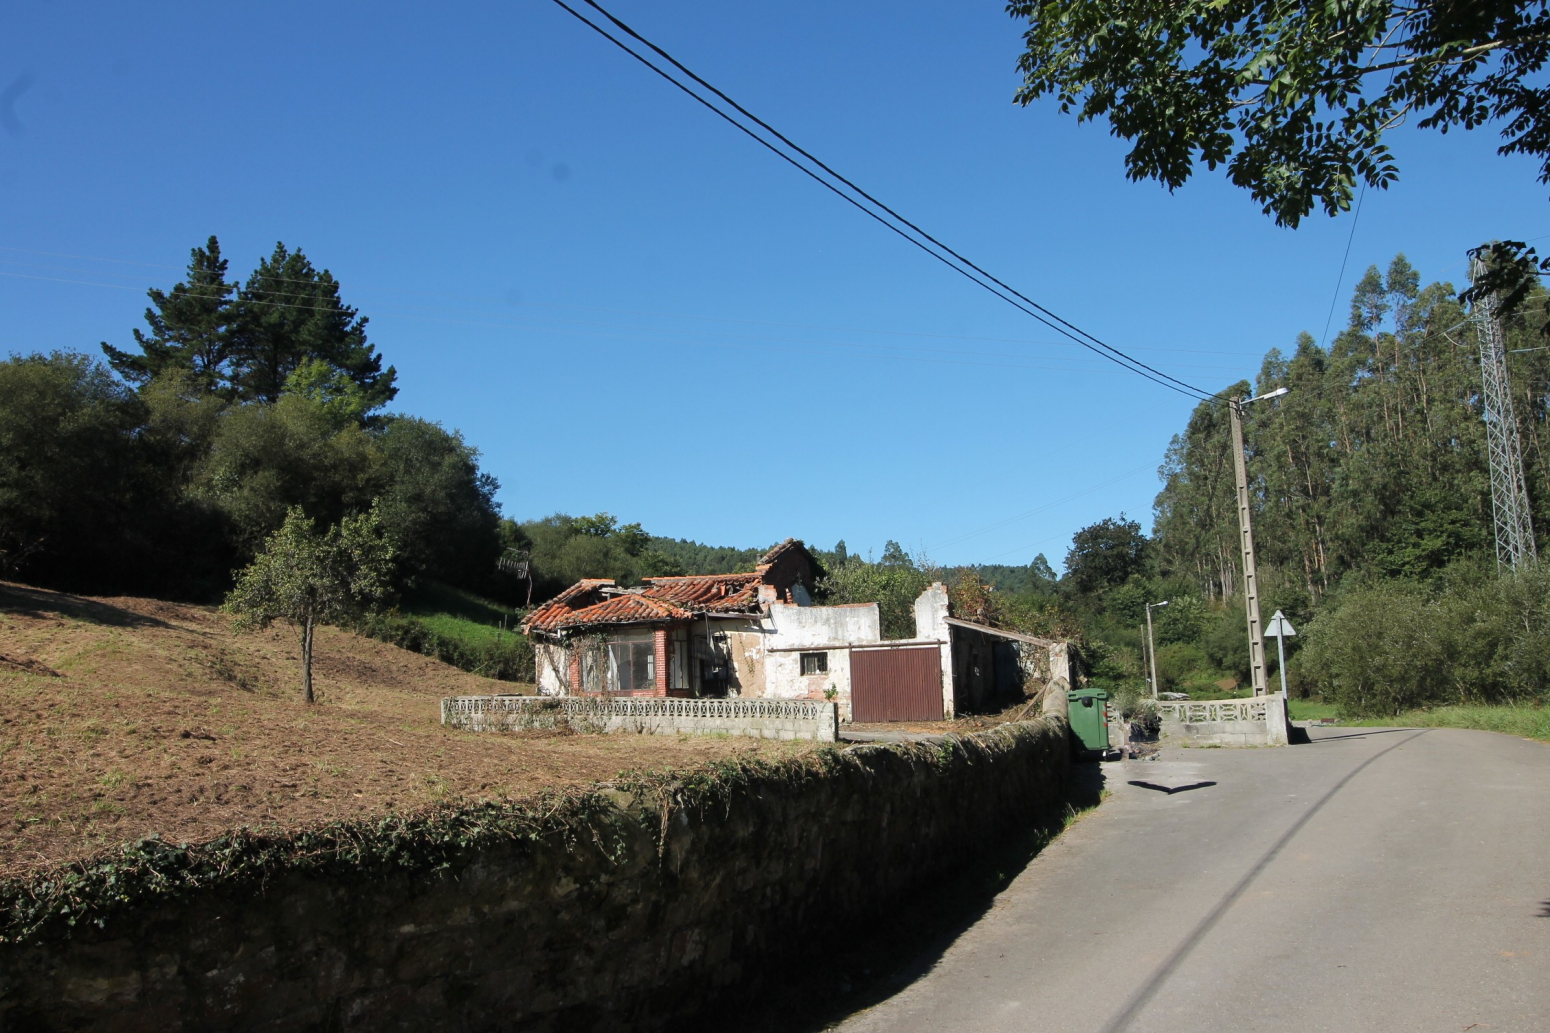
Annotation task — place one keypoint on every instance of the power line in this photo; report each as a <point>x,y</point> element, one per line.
<point>816,161</point>
<point>972,272</point>
<point>1344,258</point>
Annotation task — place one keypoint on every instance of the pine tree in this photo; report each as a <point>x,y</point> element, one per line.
<point>190,328</point>
<point>289,312</point>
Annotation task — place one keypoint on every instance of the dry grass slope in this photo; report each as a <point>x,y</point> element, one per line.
<point>124,717</point>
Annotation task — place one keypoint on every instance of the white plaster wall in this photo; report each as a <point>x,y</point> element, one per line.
<point>823,625</point>
<point>931,614</point>
<point>793,627</point>
<point>552,662</point>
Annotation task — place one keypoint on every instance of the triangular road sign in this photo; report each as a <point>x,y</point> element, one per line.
<point>1280,627</point>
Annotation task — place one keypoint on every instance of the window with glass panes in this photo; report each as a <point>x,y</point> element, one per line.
<point>632,663</point>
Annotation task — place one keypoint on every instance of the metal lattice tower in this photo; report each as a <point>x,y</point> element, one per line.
<point>1509,494</point>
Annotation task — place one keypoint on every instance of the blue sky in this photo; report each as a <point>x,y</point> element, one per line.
<point>629,307</point>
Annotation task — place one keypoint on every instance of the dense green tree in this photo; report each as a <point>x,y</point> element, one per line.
<point>1374,461</point>
<point>306,577</point>
<point>435,504</point>
<point>1106,555</point>
<point>895,556</point>
<point>266,459</point>
<point>598,525</point>
<point>1293,99</point>
<point>695,558</point>
<point>1182,620</point>
<point>71,472</point>
<point>564,549</point>
<point>345,401</point>
<point>1193,516</point>
<point>893,586</point>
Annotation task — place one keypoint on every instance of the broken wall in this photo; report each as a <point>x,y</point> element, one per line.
<point>794,630</point>
<point>931,613</point>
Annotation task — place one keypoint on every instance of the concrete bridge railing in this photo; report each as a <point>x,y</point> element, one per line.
<point>1254,721</point>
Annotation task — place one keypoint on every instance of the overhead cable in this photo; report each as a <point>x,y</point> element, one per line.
<point>964,268</point>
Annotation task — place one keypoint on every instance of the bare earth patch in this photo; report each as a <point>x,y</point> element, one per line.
<point>123,717</point>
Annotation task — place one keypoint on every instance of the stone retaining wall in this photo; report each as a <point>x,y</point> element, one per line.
<point>632,916</point>
<point>760,718</point>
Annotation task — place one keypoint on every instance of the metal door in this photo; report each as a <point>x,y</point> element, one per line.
<point>896,684</point>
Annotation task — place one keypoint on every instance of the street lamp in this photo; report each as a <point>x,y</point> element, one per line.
<point>1250,573</point>
<point>1151,644</point>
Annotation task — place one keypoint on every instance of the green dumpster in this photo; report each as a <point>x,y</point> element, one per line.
<point>1089,722</point>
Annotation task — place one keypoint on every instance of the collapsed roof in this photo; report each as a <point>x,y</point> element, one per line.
<point>596,602</point>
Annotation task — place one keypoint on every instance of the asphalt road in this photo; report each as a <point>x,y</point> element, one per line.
<point>1375,879</point>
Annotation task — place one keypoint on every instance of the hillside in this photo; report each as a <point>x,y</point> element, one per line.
<point>123,717</point>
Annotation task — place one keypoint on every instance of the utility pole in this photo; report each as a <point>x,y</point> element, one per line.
<point>1250,573</point>
<point>1151,643</point>
<point>1509,495</point>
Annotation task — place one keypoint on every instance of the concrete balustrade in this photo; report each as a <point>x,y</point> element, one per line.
<point>760,718</point>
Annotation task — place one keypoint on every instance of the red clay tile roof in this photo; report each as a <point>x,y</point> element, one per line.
<point>581,595</point>
<point>621,609</point>
<point>769,558</point>
<point>716,593</point>
<point>585,586</point>
<point>663,598</point>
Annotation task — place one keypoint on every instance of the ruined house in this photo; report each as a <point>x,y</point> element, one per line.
<point>759,635</point>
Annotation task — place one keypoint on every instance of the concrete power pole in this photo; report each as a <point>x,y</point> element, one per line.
<point>1250,573</point>
<point>1509,495</point>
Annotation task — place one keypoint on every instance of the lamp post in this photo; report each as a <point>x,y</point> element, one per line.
<point>1250,572</point>
<point>1151,643</point>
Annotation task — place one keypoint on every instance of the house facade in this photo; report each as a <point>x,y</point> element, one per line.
<point>759,635</point>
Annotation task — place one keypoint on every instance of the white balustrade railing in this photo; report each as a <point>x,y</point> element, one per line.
<point>653,706</point>
<point>1204,711</point>
<point>783,718</point>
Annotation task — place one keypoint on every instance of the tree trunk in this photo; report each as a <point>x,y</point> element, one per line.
<point>306,660</point>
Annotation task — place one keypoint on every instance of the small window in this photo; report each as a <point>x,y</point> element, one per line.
<point>815,663</point>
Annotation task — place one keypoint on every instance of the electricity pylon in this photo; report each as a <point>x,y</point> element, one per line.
<point>1509,494</point>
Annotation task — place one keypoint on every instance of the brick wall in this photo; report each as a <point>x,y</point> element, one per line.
<point>659,639</point>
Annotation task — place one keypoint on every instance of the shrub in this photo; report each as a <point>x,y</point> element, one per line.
<point>509,658</point>
<point>1392,646</point>
<point>1182,662</point>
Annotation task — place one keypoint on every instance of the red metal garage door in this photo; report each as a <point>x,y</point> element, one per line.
<point>896,684</point>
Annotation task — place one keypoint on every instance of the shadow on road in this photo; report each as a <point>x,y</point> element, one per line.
<point>877,960</point>
<point>1170,790</point>
<point>1139,1000</point>
<point>1544,909</point>
<point>1362,735</point>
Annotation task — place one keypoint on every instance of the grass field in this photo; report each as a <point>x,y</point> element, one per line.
<point>461,615</point>
<point>1528,722</point>
<point>1310,709</point>
<point>124,717</point>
